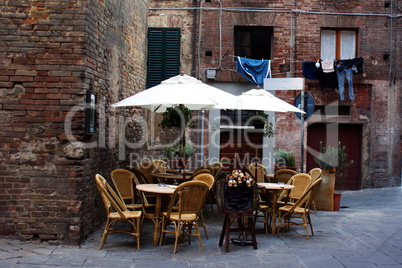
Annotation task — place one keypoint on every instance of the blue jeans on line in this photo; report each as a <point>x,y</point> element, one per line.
<point>341,73</point>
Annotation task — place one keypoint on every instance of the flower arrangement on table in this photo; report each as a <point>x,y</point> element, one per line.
<point>237,177</point>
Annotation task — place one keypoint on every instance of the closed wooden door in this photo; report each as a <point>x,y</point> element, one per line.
<point>240,146</point>
<point>349,135</point>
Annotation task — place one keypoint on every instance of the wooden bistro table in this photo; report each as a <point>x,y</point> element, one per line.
<point>158,191</point>
<point>275,188</point>
<point>170,177</point>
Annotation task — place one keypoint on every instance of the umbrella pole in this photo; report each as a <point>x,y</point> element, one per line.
<point>183,153</point>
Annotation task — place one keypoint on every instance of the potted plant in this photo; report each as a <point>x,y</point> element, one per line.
<point>173,116</point>
<point>333,162</point>
<point>173,154</point>
<point>284,160</point>
<point>260,120</point>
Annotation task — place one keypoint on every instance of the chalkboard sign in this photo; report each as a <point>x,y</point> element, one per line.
<point>237,199</point>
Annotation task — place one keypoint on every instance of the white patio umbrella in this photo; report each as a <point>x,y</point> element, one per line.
<point>178,90</point>
<point>259,100</point>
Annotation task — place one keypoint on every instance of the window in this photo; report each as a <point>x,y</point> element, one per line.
<point>254,42</point>
<point>338,44</point>
<point>163,54</point>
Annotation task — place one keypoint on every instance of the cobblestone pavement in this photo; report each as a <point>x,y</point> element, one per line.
<point>366,232</point>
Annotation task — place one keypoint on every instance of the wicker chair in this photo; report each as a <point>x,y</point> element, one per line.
<point>147,199</point>
<point>210,180</point>
<point>315,174</point>
<point>190,197</point>
<point>147,168</point>
<point>217,169</point>
<point>124,183</point>
<point>116,211</point>
<point>301,181</point>
<point>283,175</point>
<point>209,167</point>
<point>160,166</point>
<point>299,210</point>
<point>258,172</point>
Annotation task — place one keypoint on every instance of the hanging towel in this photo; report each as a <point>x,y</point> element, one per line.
<point>310,70</point>
<point>254,70</point>
<point>328,66</point>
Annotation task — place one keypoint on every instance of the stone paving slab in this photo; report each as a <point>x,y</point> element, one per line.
<point>366,232</point>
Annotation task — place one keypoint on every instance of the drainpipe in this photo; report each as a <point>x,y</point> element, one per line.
<point>194,40</point>
<point>220,40</point>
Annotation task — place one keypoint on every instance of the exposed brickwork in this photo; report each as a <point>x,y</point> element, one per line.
<point>378,89</point>
<point>51,53</point>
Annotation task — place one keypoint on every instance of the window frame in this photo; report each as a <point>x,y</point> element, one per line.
<point>163,54</point>
<point>254,47</point>
<point>338,42</point>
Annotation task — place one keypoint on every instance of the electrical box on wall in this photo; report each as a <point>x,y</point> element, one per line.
<point>211,74</point>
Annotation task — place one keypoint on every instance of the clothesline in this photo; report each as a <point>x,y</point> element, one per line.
<point>287,60</point>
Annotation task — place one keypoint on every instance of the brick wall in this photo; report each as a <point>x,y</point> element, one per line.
<point>378,89</point>
<point>51,53</point>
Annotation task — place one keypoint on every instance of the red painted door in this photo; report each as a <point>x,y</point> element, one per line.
<point>349,135</point>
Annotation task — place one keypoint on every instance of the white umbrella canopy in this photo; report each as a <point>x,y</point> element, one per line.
<point>178,90</point>
<point>258,99</point>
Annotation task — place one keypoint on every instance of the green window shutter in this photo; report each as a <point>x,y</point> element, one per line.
<point>163,54</point>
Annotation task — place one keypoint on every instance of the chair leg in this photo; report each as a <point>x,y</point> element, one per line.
<point>222,232</point>
<point>105,233</point>
<point>178,227</point>
<point>227,234</point>
<point>203,225</point>
<point>309,222</point>
<point>138,231</point>
<point>199,237</point>
<point>252,230</point>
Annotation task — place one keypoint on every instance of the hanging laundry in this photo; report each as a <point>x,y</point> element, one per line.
<point>327,78</point>
<point>328,66</point>
<point>310,70</point>
<point>348,68</point>
<point>254,70</point>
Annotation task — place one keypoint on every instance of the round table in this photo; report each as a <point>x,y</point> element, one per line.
<point>170,178</point>
<point>275,188</point>
<point>158,191</point>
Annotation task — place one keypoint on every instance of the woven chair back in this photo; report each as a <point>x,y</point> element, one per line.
<point>314,189</point>
<point>217,169</point>
<point>301,183</point>
<point>159,166</point>
<point>198,172</point>
<point>307,198</point>
<point>189,197</point>
<point>140,177</point>
<point>123,181</point>
<point>147,168</point>
<point>283,175</point>
<point>207,178</point>
<point>315,173</point>
<point>111,200</point>
<point>258,171</point>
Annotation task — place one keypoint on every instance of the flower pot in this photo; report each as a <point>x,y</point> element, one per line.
<point>324,199</point>
<point>337,201</point>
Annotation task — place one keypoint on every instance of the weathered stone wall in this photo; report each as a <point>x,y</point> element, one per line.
<point>51,53</point>
<point>297,27</point>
